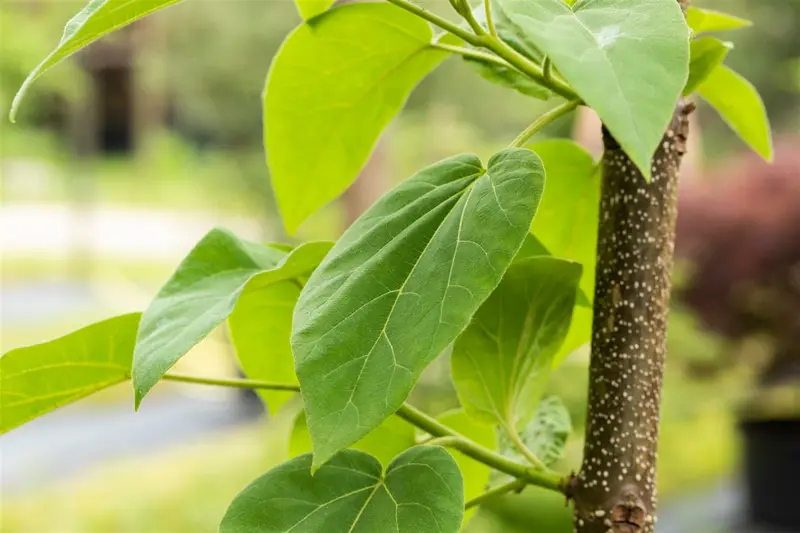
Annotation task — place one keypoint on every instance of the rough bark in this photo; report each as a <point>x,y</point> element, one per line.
<point>615,490</point>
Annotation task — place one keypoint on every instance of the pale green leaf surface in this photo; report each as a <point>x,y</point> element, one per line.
<point>502,361</point>
<point>98,18</point>
<point>703,20</point>
<point>260,327</point>
<point>311,8</point>
<point>402,283</point>
<point>37,379</point>
<point>545,435</point>
<point>329,96</point>
<point>627,59</point>
<point>420,492</point>
<point>202,293</point>
<point>474,473</point>
<point>740,106</point>
<point>385,442</point>
<point>707,53</point>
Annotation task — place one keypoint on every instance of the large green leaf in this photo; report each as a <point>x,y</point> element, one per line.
<point>702,20</point>
<point>419,492</point>
<point>385,442</point>
<point>545,435</point>
<point>334,85</point>
<point>474,473</point>
<point>203,292</point>
<point>260,327</point>
<point>502,361</point>
<point>566,224</point>
<point>98,18</point>
<point>740,106</point>
<point>707,54</point>
<point>402,283</point>
<point>627,59</point>
<point>311,8</point>
<point>37,379</point>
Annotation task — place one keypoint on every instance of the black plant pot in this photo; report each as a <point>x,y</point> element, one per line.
<point>772,472</point>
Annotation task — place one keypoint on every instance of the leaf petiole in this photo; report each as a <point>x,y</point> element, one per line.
<point>544,120</point>
<point>512,486</point>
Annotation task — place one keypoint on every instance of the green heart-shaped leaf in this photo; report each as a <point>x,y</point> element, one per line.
<point>703,20</point>
<point>707,54</point>
<point>37,379</point>
<point>98,18</point>
<point>401,284</point>
<point>420,492</point>
<point>333,87</point>
<point>627,59</point>
<point>202,293</point>
<point>740,106</point>
<point>502,361</point>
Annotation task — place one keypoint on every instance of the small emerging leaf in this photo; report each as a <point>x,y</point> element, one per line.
<point>545,435</point>
<point>37,379</point>
<point>420,492</point>
<point>335,84</point>
<point>401,284</point>
<point>707,54</point>
<point>203,292</point>
<point>98,18</point>
<point>502,361</point>
<point>598,47</point>
<point>703,20</point>
<point>740,105</point>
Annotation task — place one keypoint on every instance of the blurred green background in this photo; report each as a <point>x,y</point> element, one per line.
<point>126,155</point>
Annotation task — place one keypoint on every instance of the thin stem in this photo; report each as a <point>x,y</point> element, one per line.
<point>547,69</point>
<point>466,12</point>
<point>444,442</point>
<point>512,486</point>
<point>468,52</point>
<point>490,42</point>
<point>236,383</point>
<point>487,6</point>
<point>543,121</point>
<point>531,476</point>
<point>526,452</point>
<point>436,20</point>
<point>452,439</point>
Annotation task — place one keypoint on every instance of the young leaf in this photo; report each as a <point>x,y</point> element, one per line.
<point>311,8</point>
<point>385,442</point>
<point>98,18</point>
<point>37,379</point>
<point>203,292</point>
<point>703,20</point>
<point>334,85</point>
<point>707,53</point>
<point>502,361</point>
<point>598,48</point>
<point>420,492</point>
<point>474,473</point>
<point>401,284</point>
<point>507,76</point>
<point>740,106</point>
<point>260,327</point>
<point>545,435</point>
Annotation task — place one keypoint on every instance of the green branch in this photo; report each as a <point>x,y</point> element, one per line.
<point>471,53</point>
<point>487,7</point>
<point>442,434</point>
<point>512,486</point>
<point>491,42</point>
<point>524,450</point>
<point>543,121</point>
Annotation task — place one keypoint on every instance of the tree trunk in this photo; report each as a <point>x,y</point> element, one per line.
<point>615,490</point>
